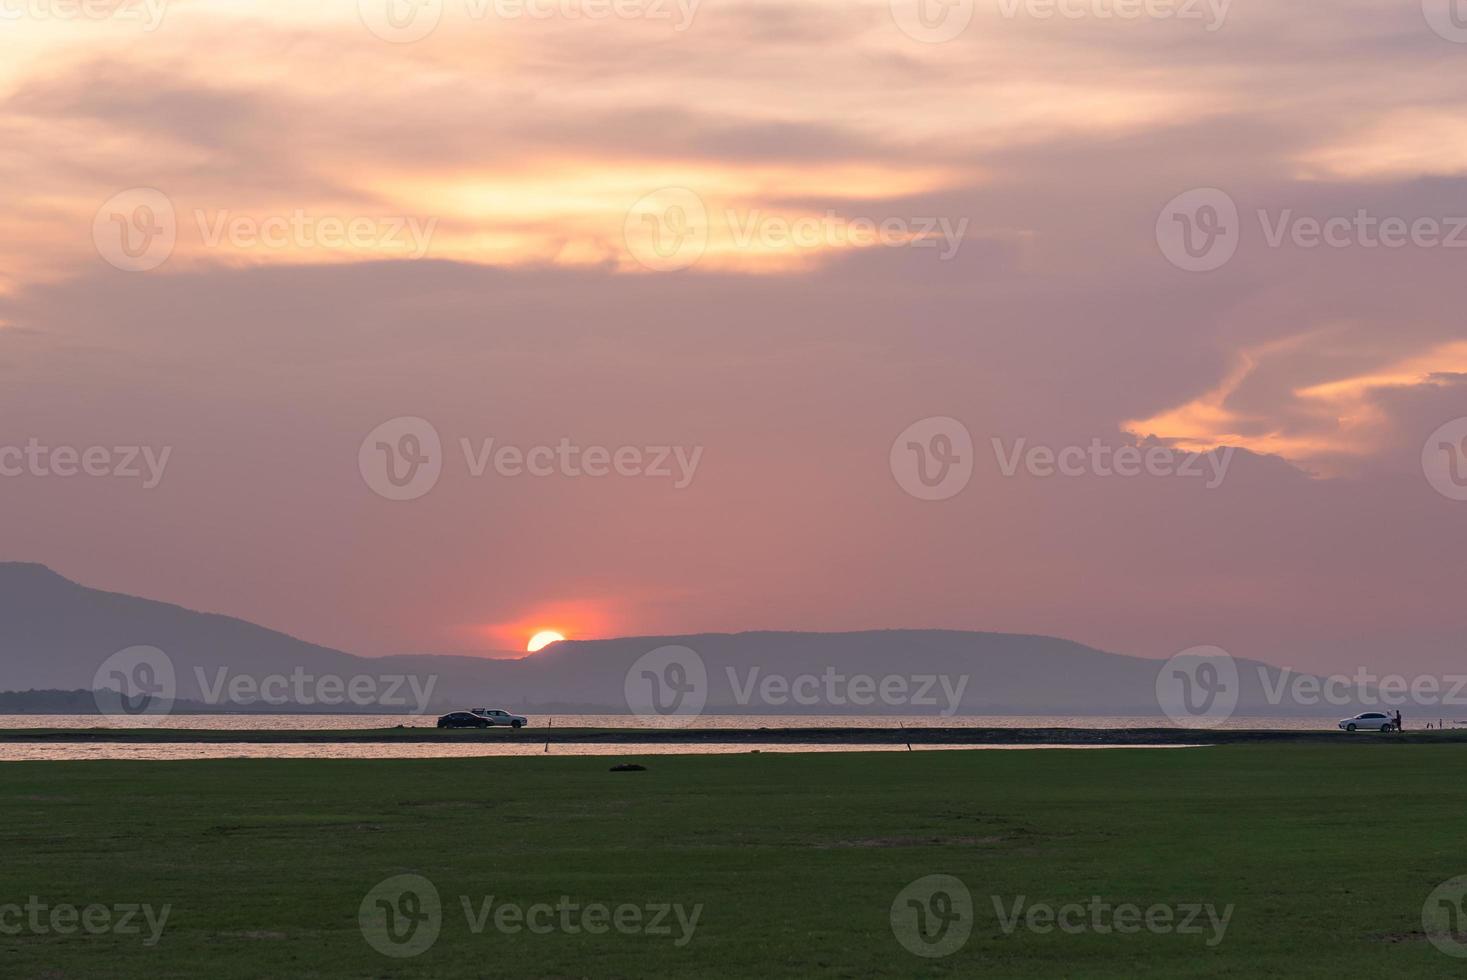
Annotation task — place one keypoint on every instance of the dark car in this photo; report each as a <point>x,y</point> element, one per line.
<point>463,719</point>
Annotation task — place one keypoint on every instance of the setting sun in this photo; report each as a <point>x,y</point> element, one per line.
<point>543,639</point>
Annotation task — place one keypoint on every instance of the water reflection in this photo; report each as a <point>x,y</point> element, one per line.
<point>266,722</point>
<point>22,752</point>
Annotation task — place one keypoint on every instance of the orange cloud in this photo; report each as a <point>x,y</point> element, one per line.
<point>1342,417</point>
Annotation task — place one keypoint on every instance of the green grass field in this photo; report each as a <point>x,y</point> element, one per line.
<point>1326,853</point>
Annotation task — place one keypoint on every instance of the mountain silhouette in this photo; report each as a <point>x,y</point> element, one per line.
<point>55,635</point>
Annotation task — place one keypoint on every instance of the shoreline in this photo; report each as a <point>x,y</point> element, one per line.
<point>728,736</point>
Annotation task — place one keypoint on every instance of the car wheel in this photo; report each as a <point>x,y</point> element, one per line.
<point>516,724</point>
<point>1349,728</point>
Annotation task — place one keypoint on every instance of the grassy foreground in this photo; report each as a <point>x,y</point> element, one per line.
<point>1326,853</point>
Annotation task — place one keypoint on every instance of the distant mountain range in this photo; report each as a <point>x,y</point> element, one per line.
<point>55,636</point>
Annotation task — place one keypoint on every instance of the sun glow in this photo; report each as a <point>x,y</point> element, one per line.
<point>543,639</point>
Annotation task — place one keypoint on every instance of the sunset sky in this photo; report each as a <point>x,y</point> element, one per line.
<point>1017,177</point>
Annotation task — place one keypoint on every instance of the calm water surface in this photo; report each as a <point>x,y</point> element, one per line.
<point>20,752</point>
<point>263,722</point>
<point>72,752</point>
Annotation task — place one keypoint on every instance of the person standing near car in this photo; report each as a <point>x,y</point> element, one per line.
<point>1398,719</point>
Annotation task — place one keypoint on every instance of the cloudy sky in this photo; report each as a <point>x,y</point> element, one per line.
<point>821,290</point>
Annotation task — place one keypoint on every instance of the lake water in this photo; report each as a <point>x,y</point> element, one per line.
<point>264,722</point>
<point>74,752</point>
<point>18,752</point>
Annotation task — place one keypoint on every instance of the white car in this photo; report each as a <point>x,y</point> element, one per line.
<point>1375,721</point>
<point>496,716</point>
